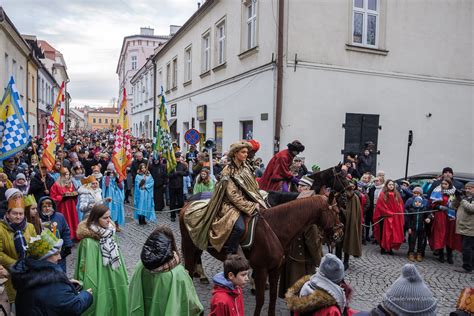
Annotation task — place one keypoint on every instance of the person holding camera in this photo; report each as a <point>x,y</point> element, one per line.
<point>43,288</point>
<point>465,227</point>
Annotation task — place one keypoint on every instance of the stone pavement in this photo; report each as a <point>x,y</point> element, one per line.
<point>369,275</point>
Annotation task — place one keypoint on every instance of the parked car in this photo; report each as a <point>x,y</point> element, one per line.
<point>422,179</point>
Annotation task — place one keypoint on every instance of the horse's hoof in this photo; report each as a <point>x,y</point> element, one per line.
<point>204,281</point>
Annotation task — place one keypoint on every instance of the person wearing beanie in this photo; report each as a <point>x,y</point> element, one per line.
<point>416,217</point>
<point>160,285</point>
<point>324,293</point>
<point>43,288</point>
<point>278,169</point>
<point>21,183</point>
<point>465,228</point>
<point>408,295</point>
<point>446,173</point>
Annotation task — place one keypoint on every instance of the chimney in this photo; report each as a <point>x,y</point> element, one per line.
<point>147,31</point>
<point>174,29</point>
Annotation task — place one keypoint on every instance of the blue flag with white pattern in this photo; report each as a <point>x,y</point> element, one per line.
<point>14,132</point>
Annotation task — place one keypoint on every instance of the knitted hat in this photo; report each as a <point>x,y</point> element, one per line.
<point>10,192</point>
<point>306,181</point>
<point>30,200</point>
<point>20,176</point>
<point>409,295</point>
<point>111,167</point>
<point>418,190</point>
<point>417,199</point>
<point>332,268</point>
<point>44,246</point>
<point>448,169</point>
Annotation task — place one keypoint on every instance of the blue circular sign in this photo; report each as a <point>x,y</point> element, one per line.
<point>192,136</point>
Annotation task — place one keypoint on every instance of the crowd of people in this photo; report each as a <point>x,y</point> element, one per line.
<point>82,201</point>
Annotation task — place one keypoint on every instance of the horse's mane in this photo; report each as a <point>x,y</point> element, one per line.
<point>300,206</point>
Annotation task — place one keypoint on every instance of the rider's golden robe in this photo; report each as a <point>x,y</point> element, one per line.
<point>236,192</point>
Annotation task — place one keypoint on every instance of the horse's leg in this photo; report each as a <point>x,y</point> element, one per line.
<point>188,249</point>
<point>273,279</point>
<point>260,278</point>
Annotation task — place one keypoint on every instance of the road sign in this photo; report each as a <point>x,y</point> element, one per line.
<point>191,136</point>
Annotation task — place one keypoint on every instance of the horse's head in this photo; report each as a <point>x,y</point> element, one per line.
<point>333,228</point>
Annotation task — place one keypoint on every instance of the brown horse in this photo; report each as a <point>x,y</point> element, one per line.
<point>275,230</point>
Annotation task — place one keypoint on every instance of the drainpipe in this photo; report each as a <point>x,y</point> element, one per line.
<point>279,87</point>
<point>154,97</point>
<point>27,94</point>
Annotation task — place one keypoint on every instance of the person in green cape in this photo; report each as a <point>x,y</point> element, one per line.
<point>100,264</point>
<point>160,285</point>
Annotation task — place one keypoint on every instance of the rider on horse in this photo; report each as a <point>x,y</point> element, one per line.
<point>235,197</point>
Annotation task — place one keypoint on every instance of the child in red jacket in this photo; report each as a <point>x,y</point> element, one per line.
<point>227,297</point>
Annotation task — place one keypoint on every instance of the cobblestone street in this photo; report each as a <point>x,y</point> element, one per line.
<point>369,275</point>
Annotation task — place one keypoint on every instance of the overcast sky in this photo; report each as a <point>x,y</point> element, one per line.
<point>89,33</point>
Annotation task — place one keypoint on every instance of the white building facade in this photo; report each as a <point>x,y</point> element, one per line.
<point>46,87</point>
<point>135,51</point>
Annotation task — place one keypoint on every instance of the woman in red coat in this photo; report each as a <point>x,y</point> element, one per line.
<point>443,229</point>
<point>389,232</point>
<point>65,196</point>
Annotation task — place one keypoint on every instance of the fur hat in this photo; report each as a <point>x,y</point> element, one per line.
<point>409,295</point>
<point>296,145</point>
<point>306,181</point>
<point>44,246</point>
<point>235,147</point>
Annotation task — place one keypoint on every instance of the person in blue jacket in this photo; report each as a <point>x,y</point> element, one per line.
<point>43,288</point>
<point>56,223</point>
<point>143,196</point>
<point>113,191</point>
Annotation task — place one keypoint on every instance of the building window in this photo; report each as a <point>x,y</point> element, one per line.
<point>175,72</point>
<point>146,87</point>
<point>168,76</point>
<point>94,120</point>
<point>247,129</point>
<point>100,121</point>
<point>206,52</point>
<point>251,23</point>
<point>106,121</point>
<point>220,39</point>
<point>187,64</point>
<point>218,135</point>
<point>15,74</point>
<point>134,62</point>
<point>33,84</point>
<point>365,27</point>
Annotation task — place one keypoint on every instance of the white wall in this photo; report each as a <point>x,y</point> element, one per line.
<point>316,100</point>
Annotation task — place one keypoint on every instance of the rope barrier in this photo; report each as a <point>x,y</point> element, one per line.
<point>383,217</point>
<point>131,208</point>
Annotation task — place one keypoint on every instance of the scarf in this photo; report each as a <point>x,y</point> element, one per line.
<point>445,191</point>
<point>18,238</point>
<point>108,246</point>
<point>168,266</point>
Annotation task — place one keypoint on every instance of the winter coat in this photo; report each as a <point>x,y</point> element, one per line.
<point>352,244</point>
<point>135,165</point>
<point>392,237</point>
<point>8,254</point>
<point>364,163</point>
<point>158,172</point>
<point>109,287</point>
<point>226,300</point>
<point>87,199</point>
<point>143,200</point>
<point>176,176</point>
<point>416,222</point>
<point>318,303</point>
<point>465,218</point>
<point>62,228</point>
<point>44,289</point>
<point>37,186</point>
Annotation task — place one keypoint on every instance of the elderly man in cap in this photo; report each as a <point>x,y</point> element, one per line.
<point>278,169</point>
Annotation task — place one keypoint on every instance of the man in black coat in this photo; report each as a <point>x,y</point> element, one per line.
<point>176,185</point>
<point>10,168</point>
<point>41,183</point>
<point>160,178</point>
<point>137,161</point>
